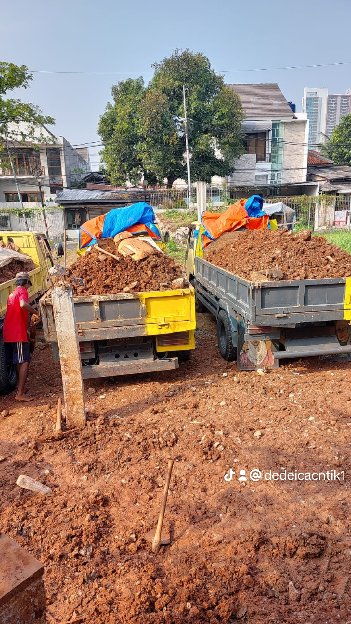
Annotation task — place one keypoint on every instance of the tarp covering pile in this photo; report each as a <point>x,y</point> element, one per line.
<point>247,214</point>
<point>137,218</point>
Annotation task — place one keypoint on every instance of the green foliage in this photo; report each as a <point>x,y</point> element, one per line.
<point>338,147</point>
<point>179,218</point>
<point>176,251</point>
<point>143,130</point>
<point>119,130</point>
<point>341,239</point>
<point>13,110</point>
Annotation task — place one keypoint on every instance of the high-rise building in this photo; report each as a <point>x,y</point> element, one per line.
<point>324,112</point>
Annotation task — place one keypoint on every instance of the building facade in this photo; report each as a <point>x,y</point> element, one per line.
<point>33,172</point>
<point>275,139</point>
<point>324,111</point>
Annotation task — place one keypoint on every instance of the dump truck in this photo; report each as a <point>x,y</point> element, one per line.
<point>37,247</point>
<point>260,324</point>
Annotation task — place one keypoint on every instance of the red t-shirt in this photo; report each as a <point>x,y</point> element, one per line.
<point>16,319</point>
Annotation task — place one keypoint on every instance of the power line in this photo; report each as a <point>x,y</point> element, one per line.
<point>225,71</point>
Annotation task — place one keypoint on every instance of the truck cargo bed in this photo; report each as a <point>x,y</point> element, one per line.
<point>275,303</point>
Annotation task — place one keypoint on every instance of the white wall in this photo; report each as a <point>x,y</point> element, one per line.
<point>294,167</point>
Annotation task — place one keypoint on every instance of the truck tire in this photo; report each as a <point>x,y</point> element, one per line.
<point>224,334</point>
<point>8,374</point>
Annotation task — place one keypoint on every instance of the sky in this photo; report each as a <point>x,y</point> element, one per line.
<point>111,40</point>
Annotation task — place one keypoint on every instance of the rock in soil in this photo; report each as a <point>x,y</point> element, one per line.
<point>254,255</point>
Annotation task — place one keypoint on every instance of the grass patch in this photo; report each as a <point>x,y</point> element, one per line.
<point>176,251</point>
<point>180,217</point>
<point>341,239</point>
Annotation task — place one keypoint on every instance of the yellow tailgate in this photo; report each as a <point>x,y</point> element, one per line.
<point>169,311</point>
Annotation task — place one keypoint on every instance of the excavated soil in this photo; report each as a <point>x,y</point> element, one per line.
<point>96,274</point>
<point>9,271</point>
<point>263,552</point>
<point>278,255</point>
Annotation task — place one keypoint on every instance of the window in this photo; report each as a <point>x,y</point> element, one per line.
<point>25,197</point>
<point>261,179</point>
<point>256,144</point>
<point>53,155</point>
<point>4,222</point>
<point>75,218</point>
<point>26,162</point>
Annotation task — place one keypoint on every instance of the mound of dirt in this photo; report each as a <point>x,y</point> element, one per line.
<point>96,274</point>
<point>9,271</point>
<point>278,255</point>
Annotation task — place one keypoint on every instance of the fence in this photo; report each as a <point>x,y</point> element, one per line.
<point>317,212</point>
<point>46,220</point>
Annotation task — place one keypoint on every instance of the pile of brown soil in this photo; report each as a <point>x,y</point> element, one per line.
<point>9,271</point>
<point>278,255</point>
<point>95,274</point>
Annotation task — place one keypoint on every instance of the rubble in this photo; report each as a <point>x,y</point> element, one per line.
<point>265,256</point>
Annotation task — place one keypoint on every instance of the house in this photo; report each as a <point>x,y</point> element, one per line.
<point>37,169</point>
<point>275,139</point>
<point>80,205</point>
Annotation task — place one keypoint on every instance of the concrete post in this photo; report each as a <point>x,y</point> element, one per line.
<point>68,346</point>
<point>22,592</point>
<point>200,198</point>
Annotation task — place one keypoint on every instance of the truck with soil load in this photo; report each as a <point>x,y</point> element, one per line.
<point>133,308</point>
<point>274,294</point>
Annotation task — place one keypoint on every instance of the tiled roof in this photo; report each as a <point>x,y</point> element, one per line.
<point>262,101</point>
<point>316,159</point>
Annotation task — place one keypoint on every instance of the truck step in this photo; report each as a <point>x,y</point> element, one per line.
<point>129,368</point>
<point>306,347</point>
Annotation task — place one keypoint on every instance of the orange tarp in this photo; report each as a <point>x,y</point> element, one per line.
<point>232,219</point>
<point>94,227</point>
<point>258,223</point>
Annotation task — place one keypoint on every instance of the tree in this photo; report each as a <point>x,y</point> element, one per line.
<point>157,129</point>
<point>13,110</point>
<point>119,130</point>
<point>338,147</point>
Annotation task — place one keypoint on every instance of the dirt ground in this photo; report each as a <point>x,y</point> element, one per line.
<point>263,552</point>
<point>280,255</point>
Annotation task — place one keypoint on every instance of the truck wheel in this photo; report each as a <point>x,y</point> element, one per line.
<point>8,374</point>
<point>224,335</point>
<point>183,356</point>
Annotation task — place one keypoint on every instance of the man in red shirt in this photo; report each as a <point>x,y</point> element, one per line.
<point>15,331</point>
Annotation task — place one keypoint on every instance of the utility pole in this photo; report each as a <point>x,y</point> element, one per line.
<point>187,146</point>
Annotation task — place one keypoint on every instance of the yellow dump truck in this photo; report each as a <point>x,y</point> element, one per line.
<point>128,333</point>
<point>37,247</point>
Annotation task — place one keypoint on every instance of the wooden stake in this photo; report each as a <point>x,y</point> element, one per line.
<point>107,253</point>
<point>69,353</point>
<point>157,541</point>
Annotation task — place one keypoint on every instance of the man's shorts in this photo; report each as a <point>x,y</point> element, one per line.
<point>17,352</point>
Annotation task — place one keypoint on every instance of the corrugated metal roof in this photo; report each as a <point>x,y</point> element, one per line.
<point>87,196</point>
<point>331,173</point>
<point>262,101</point>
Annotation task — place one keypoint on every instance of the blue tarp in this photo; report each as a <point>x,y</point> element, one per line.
<point>119,219</point>
<point>254,206</point>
